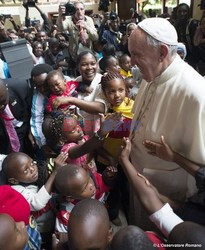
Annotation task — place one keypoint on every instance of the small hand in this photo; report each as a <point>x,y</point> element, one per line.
<point>111,171</point>
<point>110,123</point>
<point>89,90</point>
<point>58,239</point>
<point>32,139</point>
<point>126,149</point>
<point>59,101</point>
<point>59,161</point>
<point>161,150</point>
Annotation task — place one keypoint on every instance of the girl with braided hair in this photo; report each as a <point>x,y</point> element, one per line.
<point>66,131</point>
<point>114,88</point>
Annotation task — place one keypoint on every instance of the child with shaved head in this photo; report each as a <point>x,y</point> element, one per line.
<point>131,238</point>
<point>13,235</point>
<point>31,179</point>
<point>89,217</point>
<point>75,183</point>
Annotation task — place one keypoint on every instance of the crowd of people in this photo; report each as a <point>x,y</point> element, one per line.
<point>110,120</point>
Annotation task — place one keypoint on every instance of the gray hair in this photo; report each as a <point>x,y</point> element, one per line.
<point>77,2</point>
<point>155,43</point>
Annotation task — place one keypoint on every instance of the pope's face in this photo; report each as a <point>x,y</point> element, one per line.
<point>145,56</point>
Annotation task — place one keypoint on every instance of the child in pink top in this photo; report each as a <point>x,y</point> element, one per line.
<point>66,130</point>
<point>59,88</point>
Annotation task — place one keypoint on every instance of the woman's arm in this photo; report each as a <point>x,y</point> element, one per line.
<point>93,107</point>
<point>108,124</point>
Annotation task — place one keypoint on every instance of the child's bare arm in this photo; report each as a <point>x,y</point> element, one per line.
<point>106,155</point>
<point>142,187</point>
<point>162,150</point>
<point>58,163</point>
<point>108,124</point>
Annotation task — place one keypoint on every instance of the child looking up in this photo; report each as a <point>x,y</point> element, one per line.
<point>76,183</point>
<point>59,88</point>
<point>31,180</point>
<point>66,131</point>
<point>125,66</point>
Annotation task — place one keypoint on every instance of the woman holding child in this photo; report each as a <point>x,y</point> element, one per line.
<point>87,91</point>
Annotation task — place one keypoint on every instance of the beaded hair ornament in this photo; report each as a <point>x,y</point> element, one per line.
<point>57,125</point>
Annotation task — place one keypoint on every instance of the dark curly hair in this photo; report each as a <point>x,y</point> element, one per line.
<point>58,124</point>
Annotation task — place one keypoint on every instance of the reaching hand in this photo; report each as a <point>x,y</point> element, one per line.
<point>110,123</point>
<point>126,149</point>
<point>32,139</point>
<point>60,160</point>
<point>57,241</point>
<point>161,150</point>
<point>59,101</point>
<point>61,9</point>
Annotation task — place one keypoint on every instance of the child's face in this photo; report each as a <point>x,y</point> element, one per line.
<point>15,232</point>
<point>130,82</point>
<point>126,63</point>
<point>113,65</point>
<point>83,185</point>
<point>57,85</point>
<point>88,67</point>
<point>26,169</point>
<point>72,131</point>
<point>115,92</point>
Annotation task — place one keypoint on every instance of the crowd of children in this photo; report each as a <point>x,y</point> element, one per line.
<point>75,174</point>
